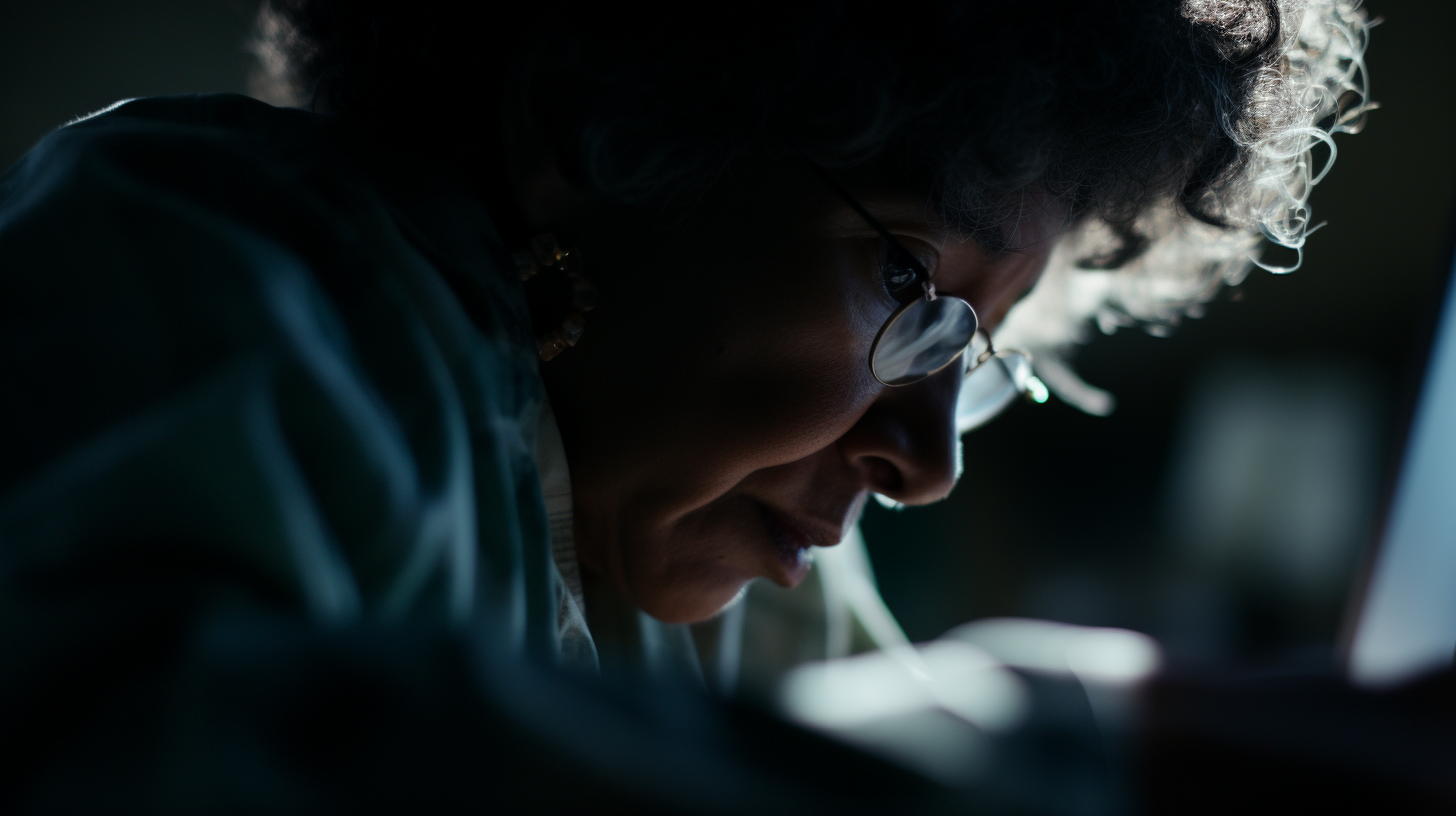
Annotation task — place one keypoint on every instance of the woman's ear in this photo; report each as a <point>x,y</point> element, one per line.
<point>539,165</point>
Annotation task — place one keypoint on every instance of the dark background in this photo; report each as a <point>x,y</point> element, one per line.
<point>1228,504</point>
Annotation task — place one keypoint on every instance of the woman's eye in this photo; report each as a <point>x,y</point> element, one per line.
<point>899,269</point>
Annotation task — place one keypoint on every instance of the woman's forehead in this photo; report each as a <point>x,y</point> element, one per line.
<point>1026,218</point>
<point>1032,229</point>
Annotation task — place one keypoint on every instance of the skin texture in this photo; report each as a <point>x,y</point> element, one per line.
<point>719,412</point>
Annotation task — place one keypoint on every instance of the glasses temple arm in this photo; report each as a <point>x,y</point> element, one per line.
<point>920,271</point>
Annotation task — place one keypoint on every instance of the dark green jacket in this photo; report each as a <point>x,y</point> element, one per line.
<point>224,345</point>
<point>245,412</point>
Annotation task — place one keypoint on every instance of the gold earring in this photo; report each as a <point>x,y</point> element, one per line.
<point>546,254</point>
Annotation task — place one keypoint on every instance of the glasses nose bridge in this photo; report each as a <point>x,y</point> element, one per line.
<point>979,350</point>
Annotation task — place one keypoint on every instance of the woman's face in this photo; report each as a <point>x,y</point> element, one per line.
<point>719,414</point>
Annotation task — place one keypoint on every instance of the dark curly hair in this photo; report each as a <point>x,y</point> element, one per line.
<point>1144,119</point>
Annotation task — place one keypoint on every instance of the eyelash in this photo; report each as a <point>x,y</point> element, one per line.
<point>896,286</point>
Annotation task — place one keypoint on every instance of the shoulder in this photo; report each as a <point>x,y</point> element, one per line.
<point>244,160</point>
<point>147,243</point>
<point>150,246</point>
<point>195,124</point>
<point>215,328</point>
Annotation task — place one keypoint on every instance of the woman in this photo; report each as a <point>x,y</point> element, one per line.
<point>544,327</point>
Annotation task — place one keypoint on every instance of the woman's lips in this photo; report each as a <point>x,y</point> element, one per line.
<point>790,544</point>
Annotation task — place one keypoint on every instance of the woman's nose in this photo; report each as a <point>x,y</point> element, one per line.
<point>905,445</point>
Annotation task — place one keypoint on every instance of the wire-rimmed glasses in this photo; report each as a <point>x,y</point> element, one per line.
<point>1000,376</point>
<point>929,331</point>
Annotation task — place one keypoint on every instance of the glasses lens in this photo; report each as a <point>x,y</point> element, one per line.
<point>922,338</point>
<point>990,387</point>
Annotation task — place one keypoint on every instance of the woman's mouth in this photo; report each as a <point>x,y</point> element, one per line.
<point>790,546</point>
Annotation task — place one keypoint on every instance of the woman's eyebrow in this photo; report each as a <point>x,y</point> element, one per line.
<point>919,218</point>
<point>922,219</point>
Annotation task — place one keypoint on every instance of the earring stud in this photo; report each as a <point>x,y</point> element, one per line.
<point>547,255</point>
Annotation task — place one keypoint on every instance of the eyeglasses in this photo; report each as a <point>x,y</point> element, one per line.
<point>928,332</point>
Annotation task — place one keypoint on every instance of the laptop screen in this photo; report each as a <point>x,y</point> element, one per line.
<point>1407,623</point>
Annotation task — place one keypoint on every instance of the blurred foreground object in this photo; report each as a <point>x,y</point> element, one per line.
<point>1034,714</point>
<point>1044,717</point>
<point>1298,744</point>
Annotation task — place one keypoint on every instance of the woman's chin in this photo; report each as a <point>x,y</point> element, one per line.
<point>692,604</point>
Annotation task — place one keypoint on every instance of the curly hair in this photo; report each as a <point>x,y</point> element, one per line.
<point>1175,134</point>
